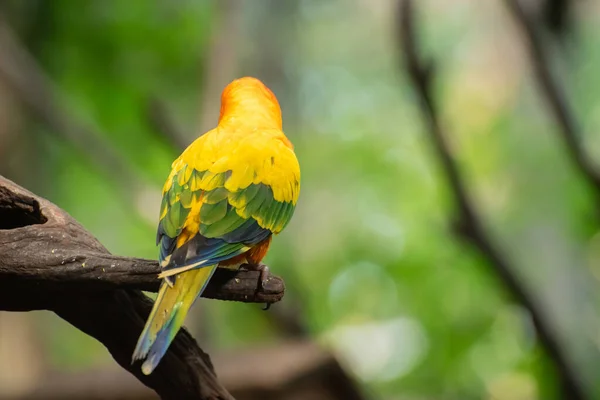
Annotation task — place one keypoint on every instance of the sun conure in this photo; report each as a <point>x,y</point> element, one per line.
<point>227,194</point>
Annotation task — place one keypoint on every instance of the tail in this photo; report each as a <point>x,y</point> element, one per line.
<point>167,316</point>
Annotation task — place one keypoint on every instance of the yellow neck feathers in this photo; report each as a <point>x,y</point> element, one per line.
<point>249,102</point>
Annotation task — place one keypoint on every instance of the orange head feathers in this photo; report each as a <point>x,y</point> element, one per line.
<point>247,100</point>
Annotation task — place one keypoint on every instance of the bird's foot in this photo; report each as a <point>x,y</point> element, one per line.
<point>264,276</point>
<point>262,268</point>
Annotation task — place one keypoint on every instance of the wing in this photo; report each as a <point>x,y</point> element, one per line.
<point>207,217</point>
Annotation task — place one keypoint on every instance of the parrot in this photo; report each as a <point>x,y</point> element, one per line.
<point>228,193</point>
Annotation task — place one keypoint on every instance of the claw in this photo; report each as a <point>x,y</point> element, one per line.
<point>264,275</point>
<point>262,268</point>
<point>267,306</point>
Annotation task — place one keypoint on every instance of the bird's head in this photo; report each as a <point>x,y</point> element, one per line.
<point>247,100</point>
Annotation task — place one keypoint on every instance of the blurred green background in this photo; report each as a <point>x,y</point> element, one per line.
<point>373,270</point>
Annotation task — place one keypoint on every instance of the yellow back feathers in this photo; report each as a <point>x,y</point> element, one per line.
<point>248,143</point>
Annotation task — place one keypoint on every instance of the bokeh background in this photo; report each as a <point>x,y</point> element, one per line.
<point>103,95</point>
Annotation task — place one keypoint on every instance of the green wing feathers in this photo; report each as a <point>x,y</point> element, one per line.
<point>256,201</point>
<point>213,210</point>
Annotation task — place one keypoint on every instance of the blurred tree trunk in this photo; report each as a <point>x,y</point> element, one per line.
<point>222,63</point>
<point>272,40</point>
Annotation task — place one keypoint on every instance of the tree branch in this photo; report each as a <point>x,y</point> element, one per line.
<point>50,262</point>
<point>569,128</point>
<point>468,226</point>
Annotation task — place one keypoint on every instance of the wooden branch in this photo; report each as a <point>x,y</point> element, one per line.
<point>469,226</point>
<point>561,110</point>
<point>53,250</point>
<point>48,261</point>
